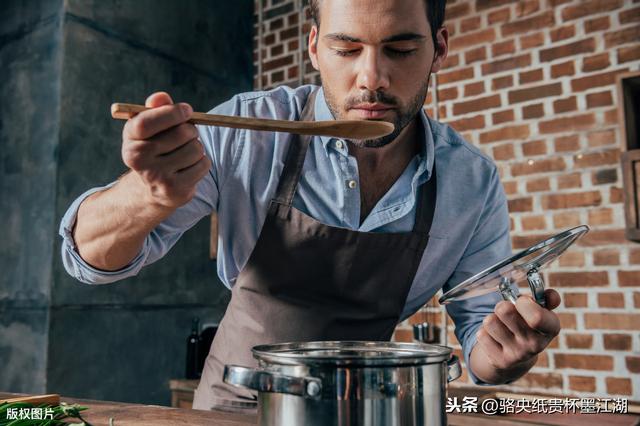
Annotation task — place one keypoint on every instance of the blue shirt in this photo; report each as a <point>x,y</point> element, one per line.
<point>470,229</point>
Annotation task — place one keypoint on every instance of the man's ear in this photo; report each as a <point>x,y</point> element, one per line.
<point>313,46</point>
<point>441,49</point>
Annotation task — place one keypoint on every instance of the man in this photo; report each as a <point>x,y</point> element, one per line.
<point>321,238</point>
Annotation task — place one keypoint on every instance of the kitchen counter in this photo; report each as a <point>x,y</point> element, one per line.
<point>125,414</point>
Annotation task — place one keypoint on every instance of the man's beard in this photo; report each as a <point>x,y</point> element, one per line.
<point>403,115</point>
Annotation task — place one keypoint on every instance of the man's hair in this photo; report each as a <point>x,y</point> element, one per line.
<point>435,14</point>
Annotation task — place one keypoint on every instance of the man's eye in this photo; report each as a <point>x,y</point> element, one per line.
<point>400,53</point>
<point>345,52</point>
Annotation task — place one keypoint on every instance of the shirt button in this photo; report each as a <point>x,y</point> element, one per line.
<point>352,184</point>
<point>339,144</point>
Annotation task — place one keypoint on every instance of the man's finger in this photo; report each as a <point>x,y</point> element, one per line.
<point>537,317</point>
<point>496,329</point>
<point>153,121</point>
<point>509,315</point>
<point>553,298</point>
<point>158,99</point>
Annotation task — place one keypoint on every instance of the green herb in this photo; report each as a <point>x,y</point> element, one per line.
<point>57,416</point>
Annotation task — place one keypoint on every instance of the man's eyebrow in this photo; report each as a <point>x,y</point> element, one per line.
<point>393,38</point>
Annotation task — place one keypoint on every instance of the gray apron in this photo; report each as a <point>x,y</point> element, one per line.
<point>309,281</point>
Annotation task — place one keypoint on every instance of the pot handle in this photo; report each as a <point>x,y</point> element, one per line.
<point>453,368</point>
<point>267,381</point>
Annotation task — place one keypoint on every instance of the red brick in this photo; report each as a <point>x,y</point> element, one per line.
<point>601,138</point>
<point>595,80</point>
<point>629,278</point>
<point>584,361</point>
<point>611,300</point>
<point>562,33</point>
<point>618,386</point>
<point>626,54</point>
<point>596,62</point>
<point>452,61</point>
<point>604,176</point>
<point>505,133</point>
<point>536,92</point>
<point>569,49</point>
<point>579,341</point>
<point>523,241</point>
<point>599,99</point>
<point>601,237</point>
<point>566,143</point>
<point>503,152</point>
<point>628,35</point>
<point>457,75</point>
<point>534,148</point>
<point>469,123</point>
<point>565,105</point>
<point>470,24</point>
<point>454,11</point>
<point>562,69</point>
<point>636,299</point>
<point>602,158</point>
<point>402,335</point>
<point>486,4</point>
<point>566,220</point>
<point>532,40</point>
<point>504,116</point>
<point>617,342</point>
<point>479,104</point>
<point>447,94</point>
<point>565,124</point>
<point>589,7</point>
<point>527,7</point>
<point>475,55</point>
<point>506,64</point>
<point>503,48</point>
<point>537,185</point>
<point>572,259</point>
<point>533,111</point>
<point>540,380</point>
<point>600,217</point>
<point>524,204</point>
<point>510,187</point>
<point>538,166</point>
<point>571,200</point>
<point>582,383</point>
<point>498,16</point>
<point>471,39</point>
<point>596,24</point>
<point>530,223</point>
<point>530,76</point>
<point>277,63</point>
<point>542,20</point>
<point>502,82</point>
<point>633,364</point>
<point>473,89</point>
<point>578,279</point>
<point>609,321</point>
<point>569,181</point>
<point>631,15</point>
<point>574,300</point>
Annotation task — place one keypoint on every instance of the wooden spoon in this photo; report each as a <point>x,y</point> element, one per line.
<point>347,129</point>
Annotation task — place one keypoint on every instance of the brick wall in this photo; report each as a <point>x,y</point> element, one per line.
<point>532,84</point>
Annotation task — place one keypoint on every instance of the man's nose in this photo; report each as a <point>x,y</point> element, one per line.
<point>372,74</point>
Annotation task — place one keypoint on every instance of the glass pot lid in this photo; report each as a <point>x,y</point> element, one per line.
<point>504,276</point>
<point>343,353</point>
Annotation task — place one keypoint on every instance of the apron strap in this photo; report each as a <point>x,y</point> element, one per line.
<point>428,194</point>
<point>295,156</point>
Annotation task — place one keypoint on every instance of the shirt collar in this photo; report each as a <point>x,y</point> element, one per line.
<point>427,149</point>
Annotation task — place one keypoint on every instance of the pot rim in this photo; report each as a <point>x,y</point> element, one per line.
<point>351,353</point>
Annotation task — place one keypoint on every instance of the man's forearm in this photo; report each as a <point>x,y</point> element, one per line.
<point>111,225</point>
<point>484,370</point>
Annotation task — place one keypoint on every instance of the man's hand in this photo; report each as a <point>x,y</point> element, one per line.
<point>510,339</point>
<point>164,151</point>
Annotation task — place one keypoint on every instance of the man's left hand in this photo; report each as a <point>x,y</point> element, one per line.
<point>510,339</point>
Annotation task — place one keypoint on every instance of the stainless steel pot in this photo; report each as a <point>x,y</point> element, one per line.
<point>349,383</point>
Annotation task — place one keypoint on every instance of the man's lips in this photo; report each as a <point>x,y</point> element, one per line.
<point>372,110</point>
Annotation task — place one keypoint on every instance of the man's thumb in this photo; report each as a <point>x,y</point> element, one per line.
<point>158,99</point>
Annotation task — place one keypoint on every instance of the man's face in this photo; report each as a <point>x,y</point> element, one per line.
<point>374,58</point>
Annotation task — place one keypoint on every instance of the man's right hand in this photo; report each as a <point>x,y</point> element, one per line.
<point>163,149</point>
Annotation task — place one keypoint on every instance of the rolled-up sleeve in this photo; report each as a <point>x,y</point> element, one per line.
<point>489,244</point>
